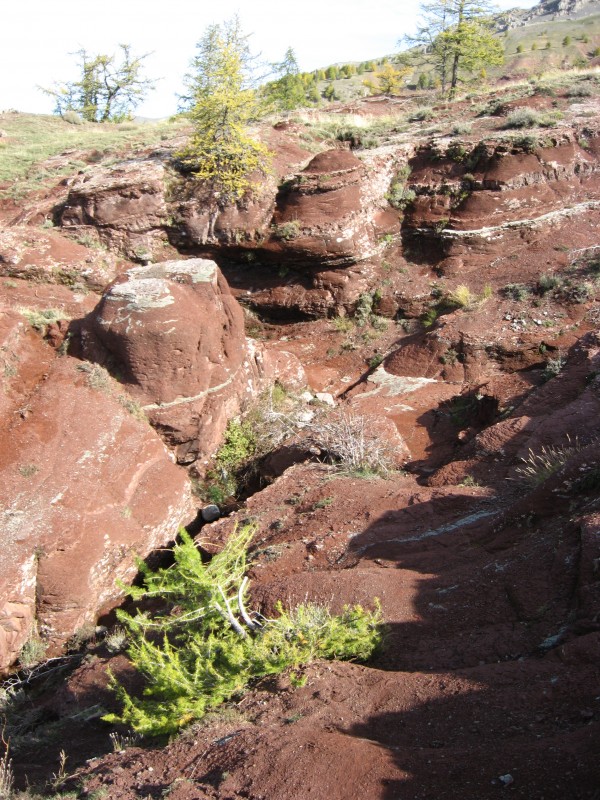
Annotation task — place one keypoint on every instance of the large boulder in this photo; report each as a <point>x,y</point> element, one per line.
<point>86,485</point>
<point>174,334</point>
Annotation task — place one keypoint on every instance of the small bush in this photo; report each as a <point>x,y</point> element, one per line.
<point>547,283</point>
<point>277,416</point>
<point>363,309</point>
<point>116,640</point>
<point>39,320</point>
<point>553,368</point>
<point>540,466</point>
<point>429,317</point>
<point>375,361</point>
<point>32,652</point>
<point>342,324</point>
<point>580,91</point>
<point>72,117</point>
<point>462,297</point>
<point>461,129</point>
<point>286,231</point>
<point>121,742</point>
<point>28,470</point>
<point>399,195</point>
<point>523,118</point>
<point>527,143</point>
<point>441,225</point>
<point>204,646</point>
<point>421,114</point>
<point>457,152</point>
<point>98,377</point>
<point>516,291</point>
<point>239,446</point>
<point>347,440</point>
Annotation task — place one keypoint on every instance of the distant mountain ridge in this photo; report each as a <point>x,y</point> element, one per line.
<point>562,8</point>
<point>546,11</point>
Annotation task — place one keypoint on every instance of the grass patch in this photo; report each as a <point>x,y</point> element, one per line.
<point>530,118</point>
<point>538,467</point>
<point>32,139</point>
<point>39,320</point>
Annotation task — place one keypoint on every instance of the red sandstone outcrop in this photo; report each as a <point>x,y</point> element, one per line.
<point>85,487</point>
<point>174,334</point>
<point>334,210</point>
<point>481,204</point>
<point>47,256</point>
<point>327,217</point>
<point>123,208</point>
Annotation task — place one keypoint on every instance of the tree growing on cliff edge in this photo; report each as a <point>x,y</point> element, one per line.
<point>108,89</point>
<point>221,102</point>
<point>457,35</point>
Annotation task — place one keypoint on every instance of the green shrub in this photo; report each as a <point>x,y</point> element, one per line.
<point>528,143</point>
<point>523,118</point>
<point>421,114</point>
<point>39,320</point>
<point>461,129</point>
<point>516,291</point>
<point>429,317</point>
<point>399,195</point>
<point>286,231</point>
<point>222,481</point>
<point>204,647</point>
<point>457,152</point>
<point>580,91</point>
<point>547,283</point>
<point>553,368</point>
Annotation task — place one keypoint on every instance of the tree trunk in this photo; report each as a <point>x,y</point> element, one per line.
<point>456,58</point>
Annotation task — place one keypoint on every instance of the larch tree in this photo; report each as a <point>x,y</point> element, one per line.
<point>108,88</point>
<point>221,102</point>
<point>458,36</point>
<point>389,79</point>
<point>288,90</point>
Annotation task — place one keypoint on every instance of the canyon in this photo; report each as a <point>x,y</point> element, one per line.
<point>441,282</point>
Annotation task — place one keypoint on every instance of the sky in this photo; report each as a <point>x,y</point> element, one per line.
<point>40,37</point>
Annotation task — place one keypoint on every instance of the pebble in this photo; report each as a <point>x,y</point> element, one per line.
<point>210,513</point>
<point>325,397</point>
<point>507,779</point>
